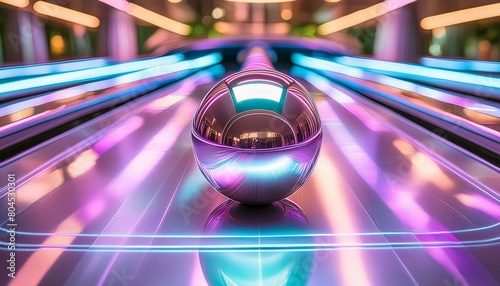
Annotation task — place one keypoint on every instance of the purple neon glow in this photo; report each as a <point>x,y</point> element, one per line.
<point>347,102</point>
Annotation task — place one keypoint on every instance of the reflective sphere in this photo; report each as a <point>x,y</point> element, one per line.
<point>232,266</point>
<point>256,136</point>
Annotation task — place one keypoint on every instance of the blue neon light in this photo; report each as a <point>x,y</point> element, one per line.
<point>461,65</point>
<point>324,65</point>
<point>87,74</point>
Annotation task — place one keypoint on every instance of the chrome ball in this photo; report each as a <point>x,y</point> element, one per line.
<point>256,136</point>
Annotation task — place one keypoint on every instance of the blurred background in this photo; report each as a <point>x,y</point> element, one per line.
<point>41,31</point>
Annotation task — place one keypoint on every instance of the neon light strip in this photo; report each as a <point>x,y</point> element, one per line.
<point>432,93</point>
<point>66,14</point>
<point>366,162</point>
<point>41,69</point>
<point>87,74</point>
<point>460,16</point>
<point>248,91</point>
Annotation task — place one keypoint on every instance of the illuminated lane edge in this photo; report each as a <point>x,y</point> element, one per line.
<point>88,74</point>
<point>461,65</point>
<point>58,67</point>
<point>414,71</point>
<point>232,247</point>
<point>159,70</point>
<point>432,93</point>
<point>470,230</point>
<point>197,63</point>
<point>424,91</point>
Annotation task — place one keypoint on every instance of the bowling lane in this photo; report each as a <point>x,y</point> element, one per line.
<point>125,200</point>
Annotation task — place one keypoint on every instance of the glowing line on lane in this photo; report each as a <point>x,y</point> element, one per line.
<point>63,13</point>
<point>16,3</point>
<point>384,233</point>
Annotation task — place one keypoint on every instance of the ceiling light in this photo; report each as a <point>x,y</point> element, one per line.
<point>460,16</point>
<point>66,14</point>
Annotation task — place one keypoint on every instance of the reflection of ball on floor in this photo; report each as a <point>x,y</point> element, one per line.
<point>256,136</point>
<point>261,225</point>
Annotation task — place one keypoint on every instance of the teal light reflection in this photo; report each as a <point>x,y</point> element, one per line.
<point>257,90</point>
